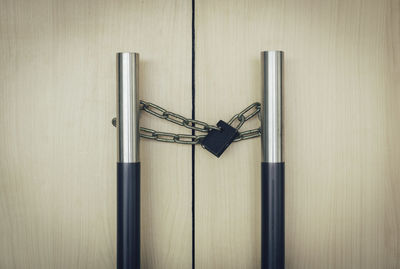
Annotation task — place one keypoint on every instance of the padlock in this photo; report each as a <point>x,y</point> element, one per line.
<point>217,141</point>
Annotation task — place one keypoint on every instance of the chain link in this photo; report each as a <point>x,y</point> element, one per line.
<point>242,117</point>
<point>170,137</point>
<point>200,126</point>
<point>162,113</point>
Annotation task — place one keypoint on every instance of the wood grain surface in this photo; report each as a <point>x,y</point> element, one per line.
<point>342,130</point>
<point>57,144</point>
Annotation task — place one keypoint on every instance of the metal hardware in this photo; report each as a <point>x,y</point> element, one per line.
<point>162,113</point>
<point>200,126</point>
<point>272,165</point>
<point>242,117</point>
<point>271,113</point>
<point>128,107</point>
<point>128,165</point>
<point>217,141</point>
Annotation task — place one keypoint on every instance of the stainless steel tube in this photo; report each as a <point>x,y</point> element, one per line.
<point>128,107</point>
<point>271,112</point>
<point>272,165</point>
<point>128,166</point>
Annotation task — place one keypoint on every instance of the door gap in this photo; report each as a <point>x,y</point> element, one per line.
<point>193,131</point>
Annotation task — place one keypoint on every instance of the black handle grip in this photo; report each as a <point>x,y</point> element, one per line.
<point>128,215</point>
<point>272,216</point>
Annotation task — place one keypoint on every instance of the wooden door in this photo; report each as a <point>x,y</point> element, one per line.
<point>342,130</point>
<point>201,58</point>
<point>58,147</point>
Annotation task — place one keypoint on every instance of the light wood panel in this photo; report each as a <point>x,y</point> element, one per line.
<point>57,145</point>
<point>342,126</point>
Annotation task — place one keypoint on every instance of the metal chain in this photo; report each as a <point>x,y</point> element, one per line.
<point>200,126</point>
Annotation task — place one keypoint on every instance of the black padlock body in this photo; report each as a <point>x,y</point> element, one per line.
<point>217,141</point>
